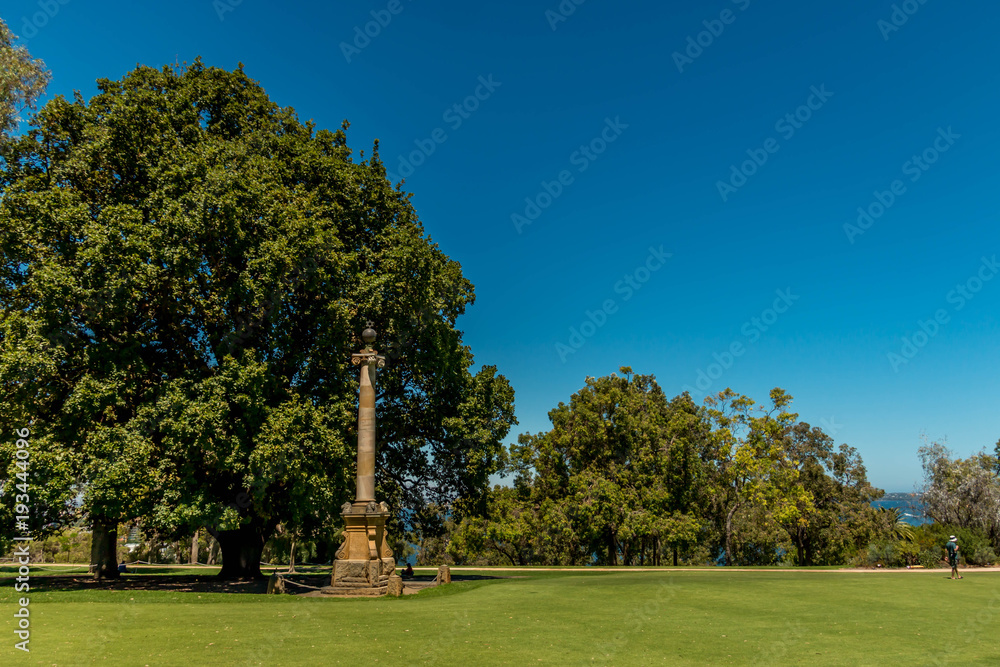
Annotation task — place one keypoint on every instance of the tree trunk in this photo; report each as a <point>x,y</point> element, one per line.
<point>194,549</point>
<point>291,557</point>
<point>213,550</point>
<point>612,548</point>
<point>103,551</point>
<point>241,550</point>
<point>729,534</point>
<point>675,555</point>
<point>800,543</point>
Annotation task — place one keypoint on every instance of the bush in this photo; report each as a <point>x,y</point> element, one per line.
<point>931,558</point>
<point>904,554</point>
<point>890,554</point>
<point>879,553</point>
<point>983,556</point>
<point>974,546</point>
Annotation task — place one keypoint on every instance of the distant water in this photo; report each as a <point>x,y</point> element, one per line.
<point>910,506</point>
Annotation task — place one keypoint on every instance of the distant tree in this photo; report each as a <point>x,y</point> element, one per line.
<point>752,466</point>
<point>617,479</point>
<point>894,524</point>
<point>22,80</point>
<point>996,458</point>
<point>961,492</point>
<point>842,518</point>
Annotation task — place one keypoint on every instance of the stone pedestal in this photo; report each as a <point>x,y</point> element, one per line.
<point>395,585</point>
<point>364,561</point>
<point>444,574</point>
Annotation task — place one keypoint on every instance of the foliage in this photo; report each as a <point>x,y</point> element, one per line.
<point>975,547</point>
<point>932,558</point>
<point>751,466</point>
<point>185,269</point>
<point>432,530</point>
<point>962,492</point>
<point>22,80</point>
<point>842,520</point>
<point>618,478</point>
<point>71,545</point>
<point>627,476</point>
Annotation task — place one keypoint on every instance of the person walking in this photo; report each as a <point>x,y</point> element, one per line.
<point>952,548</point>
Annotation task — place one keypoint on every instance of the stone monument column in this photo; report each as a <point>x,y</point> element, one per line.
<point>368,360</point>
<point>364,561</point>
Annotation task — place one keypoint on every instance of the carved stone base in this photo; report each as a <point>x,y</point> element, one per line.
<point>364,561</point>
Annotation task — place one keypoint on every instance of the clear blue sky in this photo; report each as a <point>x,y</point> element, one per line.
<point>673,128</point>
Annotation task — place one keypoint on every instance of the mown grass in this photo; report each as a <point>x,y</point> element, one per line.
<point>564,617</point>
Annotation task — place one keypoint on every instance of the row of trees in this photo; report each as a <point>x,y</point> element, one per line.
<point>185,268</point>
<point>628,476</point>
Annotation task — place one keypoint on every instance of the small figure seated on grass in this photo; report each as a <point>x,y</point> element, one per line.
<point>122,567</point>
<point>408,572</point>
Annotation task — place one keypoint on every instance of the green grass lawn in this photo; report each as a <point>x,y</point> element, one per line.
<point>564,618</point>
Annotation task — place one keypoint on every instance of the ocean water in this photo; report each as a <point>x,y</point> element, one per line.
<point>912,508</point>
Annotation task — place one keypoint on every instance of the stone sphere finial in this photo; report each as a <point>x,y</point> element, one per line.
<point>368,335</point>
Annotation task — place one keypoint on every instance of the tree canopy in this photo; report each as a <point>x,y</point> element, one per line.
<point>627,476</point>
<point>185,271</point>
<point>962,492</point>
<point>22,80</point>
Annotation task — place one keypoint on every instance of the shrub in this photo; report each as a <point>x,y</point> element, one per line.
<point>904,553</point>
<point>931,558</point>
<point>982,555</point>
<point>879,553</point>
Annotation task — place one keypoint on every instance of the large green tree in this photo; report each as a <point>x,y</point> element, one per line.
<point>185,270</point>
<point>617,479</point>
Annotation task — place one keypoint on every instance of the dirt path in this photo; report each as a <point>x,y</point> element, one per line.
<point>585,570</point>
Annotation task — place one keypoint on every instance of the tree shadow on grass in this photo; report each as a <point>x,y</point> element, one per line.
<point>196,583</point>
<point>199,583</point>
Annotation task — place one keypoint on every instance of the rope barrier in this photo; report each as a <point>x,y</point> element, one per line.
<point>295,583</point>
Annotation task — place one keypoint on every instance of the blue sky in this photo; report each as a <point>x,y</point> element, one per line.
<point>741,153</point>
